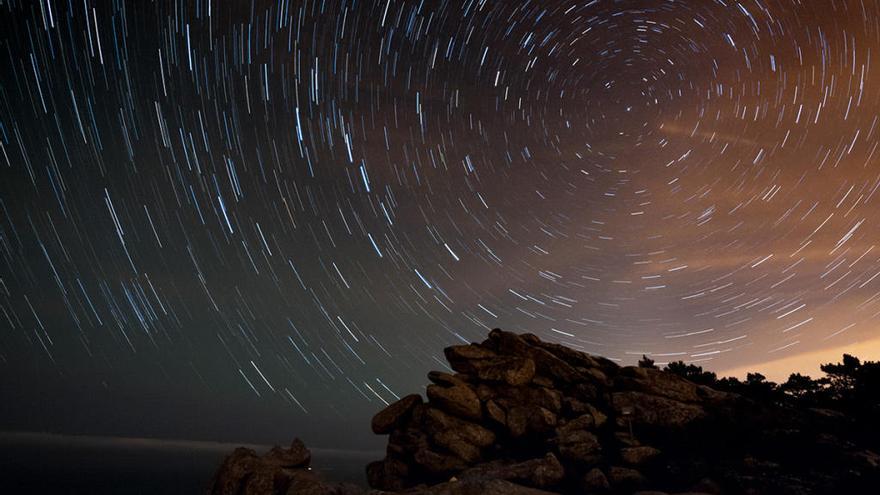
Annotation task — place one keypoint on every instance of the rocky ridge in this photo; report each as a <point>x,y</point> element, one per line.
<point>523,416</point>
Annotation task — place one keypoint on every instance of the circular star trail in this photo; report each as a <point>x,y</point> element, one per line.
<point>300,203</point>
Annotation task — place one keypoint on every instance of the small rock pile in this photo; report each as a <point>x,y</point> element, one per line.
<point>279,471</point>
<point>537,414</point>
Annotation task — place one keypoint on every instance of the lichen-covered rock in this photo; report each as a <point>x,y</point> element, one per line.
<point>656,382</point>
<point>583,422</point>
<point>580,446</point>
<point>623,478</point>
<point>487,365</point>
<point>458,399</point>
<point>529,420</point>
<point>452,441</point>
<point>577,358</point>
<point>437,421</point>
<point>545,397</point>
<point>655,411</point>
<point>545,472</point>
<point>595,481</point>
<point>511,370</point>
<point>636,456</point>
<point>546,363</point>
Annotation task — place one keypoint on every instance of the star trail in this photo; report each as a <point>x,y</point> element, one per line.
<point>300,203</point>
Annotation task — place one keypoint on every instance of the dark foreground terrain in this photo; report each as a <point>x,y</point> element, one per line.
<point>522,416</point>
<point>38,463</point>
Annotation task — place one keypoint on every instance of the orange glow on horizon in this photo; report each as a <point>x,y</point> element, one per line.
<point>807,363</point>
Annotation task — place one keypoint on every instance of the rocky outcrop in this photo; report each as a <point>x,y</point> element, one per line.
<point>279,471</point>
<point>534,413</point>
<point>548,417</point>
<point>523,416</point>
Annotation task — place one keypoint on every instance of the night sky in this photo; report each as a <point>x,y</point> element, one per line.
<point>248,220</point>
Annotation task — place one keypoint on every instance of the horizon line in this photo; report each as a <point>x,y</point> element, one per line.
<point>35,437</point>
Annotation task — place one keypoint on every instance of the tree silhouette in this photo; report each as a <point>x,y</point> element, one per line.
<point>646,362</point>
<point>850,386</point>
<point>803,388</point>
<point>692,372</point>
<point>850,389</point>
<point>843,377</point>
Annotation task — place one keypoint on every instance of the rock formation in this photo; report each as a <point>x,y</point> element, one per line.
<point>523,416</point>
<point>280,471</point>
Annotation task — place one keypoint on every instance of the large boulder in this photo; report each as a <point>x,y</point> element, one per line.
<point>654,411</point>
<point>548,398</point>
<point>530,420</point>
<point>586,421</point>
<point>575,358</point>
<point>388,474</point>
<point>577,443</point>
<point>546,363</point>
<point>657,382</point>
<point>439,464</point>
<point>437,421</point>
<point>581,447</point>
<point>595,481</point>
<point>404,442</point>
<point>448,380</point>
<point>544,472</point>
<point>458,399</point>
<point>467,353</point>
<point>387,419</point>
<point>452,441</point>
<point>511,370</point>
<point>487,365</point>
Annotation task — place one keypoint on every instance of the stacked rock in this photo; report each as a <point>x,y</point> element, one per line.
<point>518,416</point>
<point>535,413</point>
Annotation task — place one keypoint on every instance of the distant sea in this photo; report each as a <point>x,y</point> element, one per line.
<point>37,463</point>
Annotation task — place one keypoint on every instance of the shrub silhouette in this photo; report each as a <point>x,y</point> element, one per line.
<point>693,373</point>
<point>850,387</point>
<point>646,362</point>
